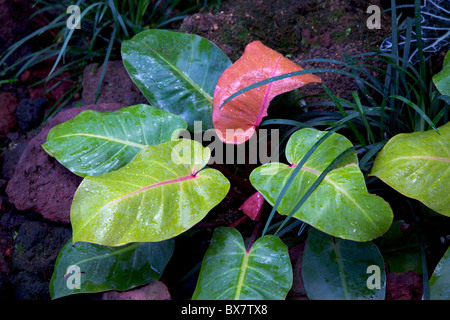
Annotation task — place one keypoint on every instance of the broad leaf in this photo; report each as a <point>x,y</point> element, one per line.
<point>336,269</point>
<point>230,272</point>
<point>341,205</point>
<point>417,165</point>
<point>95,142</point>
<point>243,114</point>
<point>176,72</point>
<point>158,195</point>
<point>442,79</point>
<point>108,268</point>
<point>440,280</point>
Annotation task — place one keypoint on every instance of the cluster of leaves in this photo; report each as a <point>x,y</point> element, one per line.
<point>103,26</point>
<point>143,186</point>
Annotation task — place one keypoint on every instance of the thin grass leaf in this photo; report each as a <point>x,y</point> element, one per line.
<point>294,174</point>
<point>344,114</point>
<point>118,17</point>
<point>69,35</point>
<point>373,149</point>
<point>54,24</point>
<point>418,110</point>
<point>363,117</point>
<point>105,62</point>
<point>314,185</point>
<point>284,122</point>
<point>289,75</point>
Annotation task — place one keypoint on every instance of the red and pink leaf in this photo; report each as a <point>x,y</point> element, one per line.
<point>237,120</point>
<point>253,206</point>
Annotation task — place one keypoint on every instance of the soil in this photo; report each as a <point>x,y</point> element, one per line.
<point>35,191</point>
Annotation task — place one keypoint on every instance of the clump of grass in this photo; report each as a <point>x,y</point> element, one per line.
<point>104,25</point>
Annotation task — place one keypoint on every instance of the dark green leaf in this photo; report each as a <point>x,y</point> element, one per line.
<point>230,272</point>
<point>95,142</point>
<point>175,71</point>
<point>337,269</point>
<point>108,268</point>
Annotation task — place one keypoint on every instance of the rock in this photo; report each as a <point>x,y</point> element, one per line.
<point>154,291</point>
<point>28,286</point>
<point>30,113</point>
<point>7,113</point>
<point>117,86</point>
<point>37,245</point>
<point>403,286</point>
<point>40,183</point>
<point>10,157</point>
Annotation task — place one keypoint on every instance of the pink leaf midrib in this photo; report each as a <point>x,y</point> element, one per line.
<point>179,179</point>
<point>266,95</point>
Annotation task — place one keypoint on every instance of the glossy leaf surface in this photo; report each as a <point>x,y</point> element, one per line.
<point>176,72</point>
<point>104,268</point>
<point>442,79</point>
<point>418,165</point>
<point>229,272</point>
<point>243,114</point>
<point>337,269</point>
<point>341,205</point>
<point>253,206</point>
<point>158,195</point>
<point>95,142</point>
<point>440,280</point>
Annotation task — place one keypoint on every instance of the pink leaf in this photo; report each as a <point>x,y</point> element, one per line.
<point>253,206</point>
<point>243,114</point>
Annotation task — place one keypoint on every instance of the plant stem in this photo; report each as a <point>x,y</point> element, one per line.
<point>254,235</point>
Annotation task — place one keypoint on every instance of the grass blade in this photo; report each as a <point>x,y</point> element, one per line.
<point>294,174</point>
<point>314,186</point>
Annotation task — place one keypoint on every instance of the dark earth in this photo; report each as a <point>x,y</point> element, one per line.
<point>36,191</point>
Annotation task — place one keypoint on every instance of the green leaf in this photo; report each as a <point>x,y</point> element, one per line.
<point>341,205</point>
<point>230,272</point>
<point>175,71</point>
<point>417,165</point>
<point>157,196</point>
<point>95,142</point>
<point>108,268</point>
<point>440,280</point>
<point>336,269</point>
<point>442,79</point>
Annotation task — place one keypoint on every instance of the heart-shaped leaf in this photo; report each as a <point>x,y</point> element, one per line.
<point>243,114</point>
<point>340,205</point>
<point>442,79</point>
<point>101,268</point>
<point>158,195</point>
<point>176,72</point>
<point>230,272</point>
<point>417,165</point>
<point>95,142</point>
<point>336,269</point>
<point>440,280</point>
